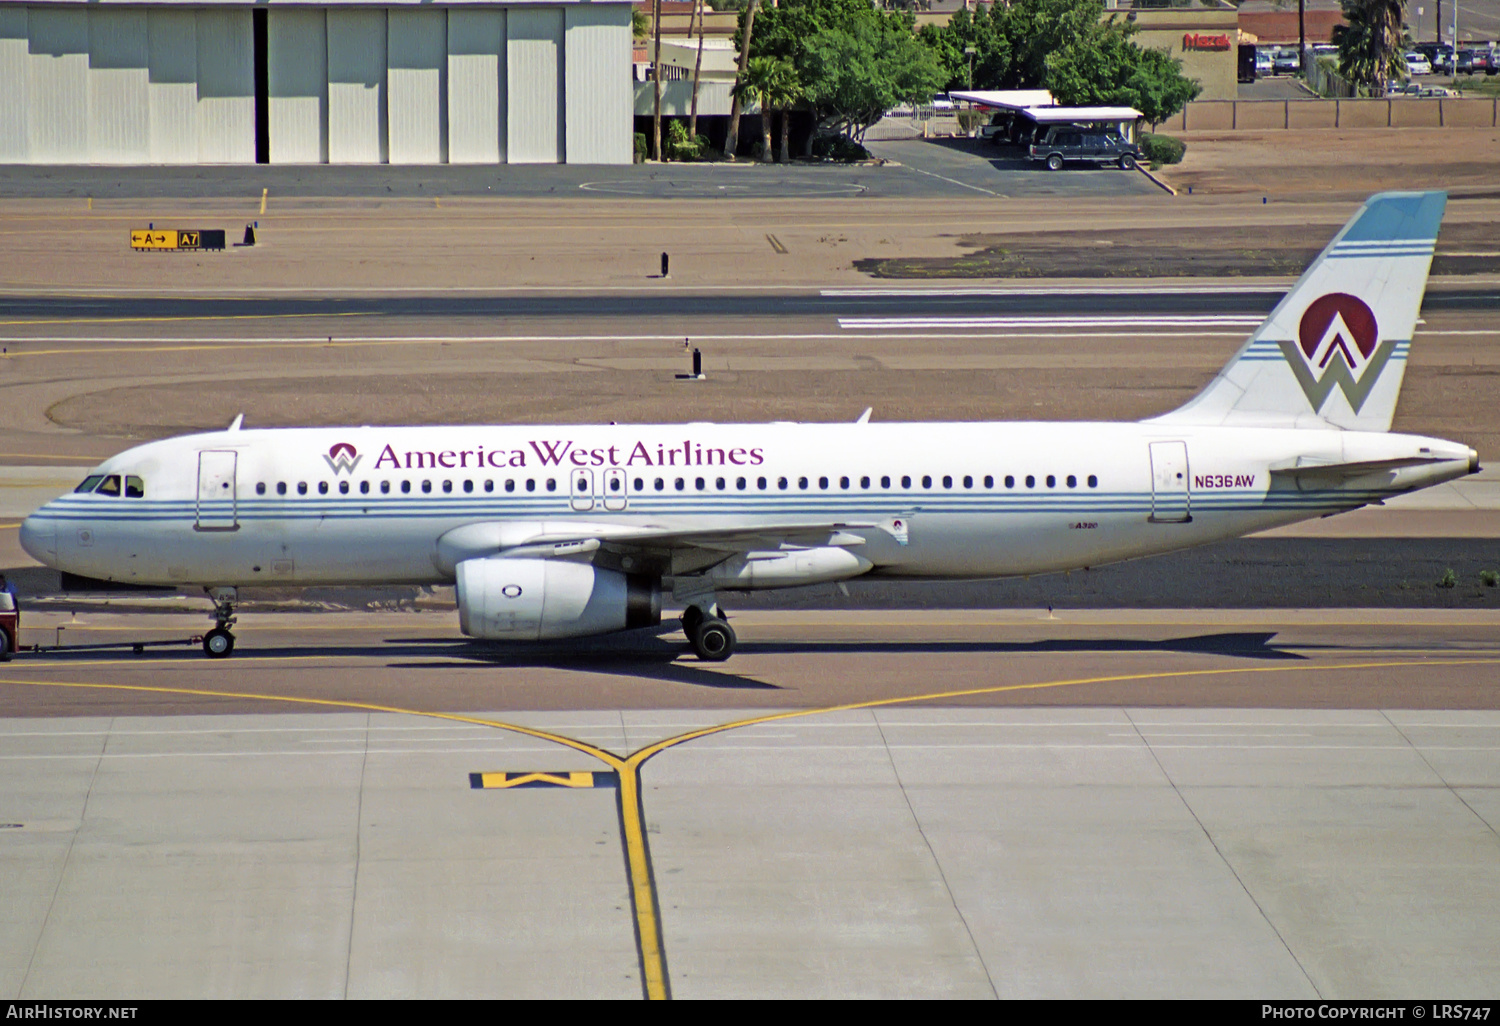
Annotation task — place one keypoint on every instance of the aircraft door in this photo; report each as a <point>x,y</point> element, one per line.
<point>217,505</point>
<point>616,494</point>
<point>1170,502</point>
<point>582,485</point>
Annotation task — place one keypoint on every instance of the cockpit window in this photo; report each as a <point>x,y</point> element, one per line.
<point>90,483</point>
<point>111,485</point>
<point>135,488</point>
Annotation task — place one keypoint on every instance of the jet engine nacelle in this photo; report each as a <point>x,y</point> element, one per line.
<point>538,599</point>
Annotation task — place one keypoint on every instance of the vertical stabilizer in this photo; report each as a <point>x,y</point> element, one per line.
<point>1333,352</point>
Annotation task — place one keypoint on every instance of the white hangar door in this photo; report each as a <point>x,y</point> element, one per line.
<point>416,59</point>
<point>477,87</point>
<point>534,64</point>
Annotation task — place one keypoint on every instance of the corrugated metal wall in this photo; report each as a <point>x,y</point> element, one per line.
<point>598,118</point>
<point>356,86</point>
<point>534,65</point>
<point>297,67</point>
<point>125,83</point>
<point>416,56</point>
<point>476,87</point>
<point>173,85</point>
<point>15,86</point>
<point>226,88</point>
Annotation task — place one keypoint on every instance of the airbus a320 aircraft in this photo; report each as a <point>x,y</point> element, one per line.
<point>569,531</point>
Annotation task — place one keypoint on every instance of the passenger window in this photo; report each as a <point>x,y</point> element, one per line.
<point>322,487</point>
<point>947,481</point>
<point>905,481</point>
<point>260,488</point>
<point>739,483</point>
<point>510,485</point>
<point>468,486</point>
<point>822,482</point>
<point>801,482</point>
<point>1010,482</point>
<point>405,487</point>
<point>864,482</point>
<point>781,483</point>
<point>364,488</point>
<point>1072,481</point>
<point>1030,481</point>
<point>447,487</point>
<point>280,487</point>
<point>640,484</point>
<point>885,482</point>
<point>426,487</point>
<point>489,485</point>
<point>719,483</point>
<point>700,484</point>
<point>989,481</point>
<point>1093,481</point>
<point>135,488</point>
<point>90,483</point>
<point>614,484</point>
<point>658,484</point>
<point>111,486</point>
<point>301,487</point>
<point>343,487</point>
<point>531,484</point>
<point>968,481</point>
<point>551,484</point>
<point>843,482</point>
<point>385,488</point>
<point>926,481</point>
<point>680,484</point>
<point>760,483</point>
<point>1051,481</point>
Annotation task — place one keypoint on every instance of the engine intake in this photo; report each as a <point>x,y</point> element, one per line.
<point>539,599</point>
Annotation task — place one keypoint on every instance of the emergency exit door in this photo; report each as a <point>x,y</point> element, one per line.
<point>217,506</point>
<point>1170,500</point>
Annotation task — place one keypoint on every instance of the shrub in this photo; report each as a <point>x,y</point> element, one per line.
<point>839,147</point>
<point>1489,578</point>
<point>969,120</point>
<point>640,147</point>
<point>1162,149</point>
<point>679,146</point>
<point>1448,580</point>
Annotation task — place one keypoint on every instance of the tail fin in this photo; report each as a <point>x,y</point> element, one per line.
<point>1333,352</point>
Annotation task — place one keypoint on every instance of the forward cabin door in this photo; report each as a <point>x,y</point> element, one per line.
<point>217,505</point>
<point>1169,483</point>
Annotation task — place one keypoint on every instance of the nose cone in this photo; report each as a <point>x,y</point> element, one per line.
<point>39,539</point>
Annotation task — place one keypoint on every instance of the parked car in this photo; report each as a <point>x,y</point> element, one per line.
<point>1263,63</point>
<point>1286,61</point>
<point>1418,64</point>
<point>1437,91</point>
<point>1483,61</point>
<point>1063,143</point>
<point>941,102</point>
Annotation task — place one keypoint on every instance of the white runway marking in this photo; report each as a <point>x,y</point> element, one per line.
<point>1050,290</point>
<point>1132,321</point>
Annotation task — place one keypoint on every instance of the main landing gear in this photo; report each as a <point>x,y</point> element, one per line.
<point>709,633</point>
<point>219,643</point>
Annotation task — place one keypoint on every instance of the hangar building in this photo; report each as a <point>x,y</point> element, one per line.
<point>331,81</point>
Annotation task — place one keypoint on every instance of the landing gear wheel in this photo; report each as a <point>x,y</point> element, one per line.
<point>714,640</point>
<point>1054,162</point>
<point>1127,162</point>
<point>218,643</point>
<point>692,617</point>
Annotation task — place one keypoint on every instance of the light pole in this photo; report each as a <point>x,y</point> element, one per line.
<point>971,51</point>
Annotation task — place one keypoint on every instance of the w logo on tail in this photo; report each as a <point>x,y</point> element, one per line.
<point>342,458</point>
<point>1338,343</point>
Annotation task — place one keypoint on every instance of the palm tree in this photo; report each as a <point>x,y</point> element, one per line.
<point>732,143</point>
<point>782,93</point>
<point>758,79</point>
<point>697,73</point>
<point>1370,44</point>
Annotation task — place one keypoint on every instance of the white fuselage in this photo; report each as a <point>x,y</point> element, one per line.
<point>968,500</point>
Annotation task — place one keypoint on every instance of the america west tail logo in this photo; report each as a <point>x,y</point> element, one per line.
<point>1338,343</point>
<point>342,458</point>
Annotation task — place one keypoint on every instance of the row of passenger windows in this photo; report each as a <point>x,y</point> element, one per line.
<point>680,484</point>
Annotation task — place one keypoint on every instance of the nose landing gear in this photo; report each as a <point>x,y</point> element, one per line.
<point>219,643</point>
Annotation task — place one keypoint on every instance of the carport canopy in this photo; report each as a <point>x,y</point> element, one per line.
<point>1015,99</point>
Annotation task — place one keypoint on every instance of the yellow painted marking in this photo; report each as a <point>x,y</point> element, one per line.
<point>572,779</point>
<point>643,895</point>
<point>263,194</point>
<point>776,244</point>
<point>145,238</point>
<point>91,203</point>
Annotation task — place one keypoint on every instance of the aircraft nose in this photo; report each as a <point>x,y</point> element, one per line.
<point>39,539</point>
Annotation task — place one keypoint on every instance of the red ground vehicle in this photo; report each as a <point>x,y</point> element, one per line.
<point>10,625</point>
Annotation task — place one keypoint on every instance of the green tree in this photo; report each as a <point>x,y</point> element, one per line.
<point>1370,45</point>
<point>760,78</point>
<point>1113,71</point>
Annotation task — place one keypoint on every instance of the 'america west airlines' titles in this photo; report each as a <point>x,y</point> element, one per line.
<point>565,452</point>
